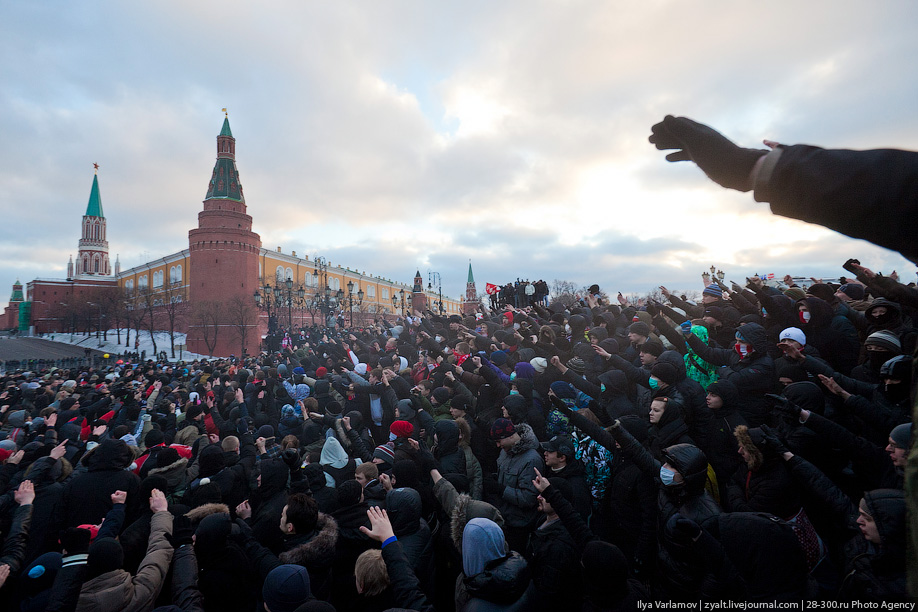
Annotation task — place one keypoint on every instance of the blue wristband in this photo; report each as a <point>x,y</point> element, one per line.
<point>388,541</point>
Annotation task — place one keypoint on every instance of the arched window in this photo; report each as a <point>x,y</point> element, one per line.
<point>337,284</point>
<point>371,291</point>
<point>289,274</point>
<point>142,282</point>
<point>279,274</point>
<point>158,279</point>
<point>178,273</point>
<point>96,264</point>
<point>129,285</point>
<point>385,294</point>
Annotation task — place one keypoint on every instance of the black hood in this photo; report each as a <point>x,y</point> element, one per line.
<point>807,395</point>
<point>676,360</point>
<point>891,320</point>
<point>754,334</point>
<point>315,475</point>
<point>274,475</point>
<point>110,455</point>
<point>821,313</point>
<point>447,437</point>
<point>887,507</point>
<point>404,509</point>
<point>691,463</point>
<point>727,391</point>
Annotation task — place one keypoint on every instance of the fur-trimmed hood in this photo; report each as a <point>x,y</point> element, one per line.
<point>528,440</point>
<point>198,514</point>
<point>465,510</point>
<point>319,549</point>
<point>746,438</point>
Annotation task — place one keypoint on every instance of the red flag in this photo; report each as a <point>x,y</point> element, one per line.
<point>771,277</point>
<point>491,289</point>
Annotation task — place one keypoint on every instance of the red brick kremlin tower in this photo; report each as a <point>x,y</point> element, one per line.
<point>418,297</point>
<point>224,260</point>
<point>92,257</point>
<point>470,303</point>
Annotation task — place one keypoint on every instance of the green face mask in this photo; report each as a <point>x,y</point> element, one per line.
<point>654,383</point>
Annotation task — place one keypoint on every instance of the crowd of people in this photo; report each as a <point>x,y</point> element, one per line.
<point>519,294</point>
<point>751,446</point>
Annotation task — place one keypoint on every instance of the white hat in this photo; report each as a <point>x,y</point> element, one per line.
<point>793,333</point>
<point>539,364</point>
<point>360,368</point>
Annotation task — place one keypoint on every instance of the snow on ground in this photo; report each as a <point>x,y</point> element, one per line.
<point>144,344</point>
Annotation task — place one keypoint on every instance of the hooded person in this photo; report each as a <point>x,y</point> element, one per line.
<point>512,491</point>
<point>621,397</point>
<point>883,314</point>
<point>403,506</point>
<point>697,368</point>
<point>695,411</point>
<point>805,442</point>
<point>723,450</point>
<point>876,568</point>
<point>46,475</point>
<point>747,365</point>
<point>326,497</point>
<point>833,335</point>
<point>880,346</point>
<point>226,577</point>
<point>336,463</point>
<point>267,502</point>
<point>491,573</point>
<point>351,515</point>
<point>447,451</point>
<point>87,495</point>
<point>667,427</point>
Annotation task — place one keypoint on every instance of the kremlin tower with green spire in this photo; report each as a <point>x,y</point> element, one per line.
<point>92,258</point>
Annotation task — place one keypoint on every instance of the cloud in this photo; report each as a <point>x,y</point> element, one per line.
<point>418,135</point>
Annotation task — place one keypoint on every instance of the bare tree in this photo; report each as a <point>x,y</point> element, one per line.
<point>209,317</point>
<point>173,309</point>
<point>242,317</point>
<point>563,292</point>
<point>147,301</point>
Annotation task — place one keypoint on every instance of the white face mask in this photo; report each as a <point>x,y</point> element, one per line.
<point>439,339</point>
<point>567,328</point>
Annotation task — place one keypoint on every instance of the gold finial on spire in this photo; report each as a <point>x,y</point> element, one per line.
<point>225,113</point>
<point>96,166</point>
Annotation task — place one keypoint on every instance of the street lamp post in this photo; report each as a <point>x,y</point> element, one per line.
<point>433,278</point>
<point>350,299</point>
<point>99,328</point>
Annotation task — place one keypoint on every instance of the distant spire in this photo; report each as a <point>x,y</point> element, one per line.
<point>94,207</point>
<point>226,131</point>
<point>471,278</point>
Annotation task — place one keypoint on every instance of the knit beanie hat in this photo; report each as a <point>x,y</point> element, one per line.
<point>793,333</point>
<point>653,347</point>
<point>349,493</point>
<point>795,293</point>
<point>853,291</point>
<point>499,358</point>
<point>441,394</point>
<point>286,587</point>
<point>167,456</point>
<point>265,431</point>
<point>384,453</point>
<point>666,372</point>
<point>153,438</point>
<point>502,428</point>
<point>713,291</point>
<point>902,435</point>
<point>193,412</point>
<point>640,328</point>
<point>105,555</point>
<point>884,339</point>
<point>401,429</point>
<point>539,364</point>
<point>321,372</point>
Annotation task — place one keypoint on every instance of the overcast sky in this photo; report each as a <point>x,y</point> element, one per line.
<point>395,136</point>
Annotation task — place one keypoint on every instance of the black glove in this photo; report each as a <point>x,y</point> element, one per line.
<point>492,487</point>
<point>725,163</point>
<point>850,266</point>
<point>784,406</point>
<point>682,529</point>
<point>75,540</point>
<point>181,531</point>
<point>427,461</point>
<point>292,458</point>
<point>773,443</point>
<point>653,310</point>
